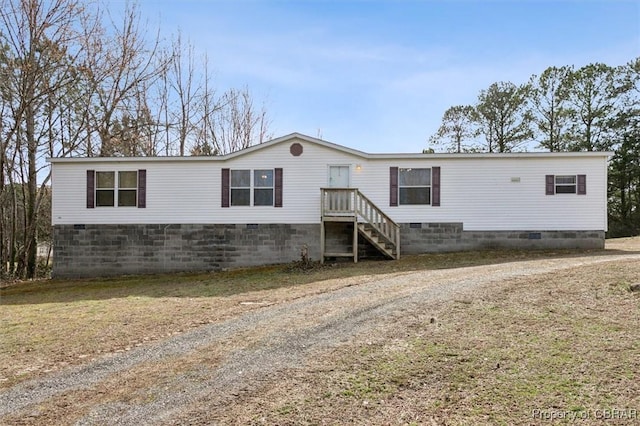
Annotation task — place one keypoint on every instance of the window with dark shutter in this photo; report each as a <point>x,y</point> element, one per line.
<point>550,185</point>
<point>278,188</point>
<point>582,184</point>
<point>142,189</point>
<point>91,189</point>
<point>414,186</point>
<point>435,186</point>
<point>393,186</point>
<point>225,187</point>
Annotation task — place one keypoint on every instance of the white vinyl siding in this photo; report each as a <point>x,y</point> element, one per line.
<point>483,193</point>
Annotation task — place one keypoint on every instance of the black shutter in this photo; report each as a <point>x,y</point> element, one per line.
<point>277,183</point>
<point>582,184</point>
<point>225,187</point>
<point>550,184</point>
<point>91,189</point>
<point>393,186</point>
<point>435,186</point>
<point>142,189</point>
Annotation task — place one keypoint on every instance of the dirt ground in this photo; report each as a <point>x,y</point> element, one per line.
<point>514,343</point>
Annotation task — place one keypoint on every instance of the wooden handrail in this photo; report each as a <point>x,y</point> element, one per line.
<point>351,202</point>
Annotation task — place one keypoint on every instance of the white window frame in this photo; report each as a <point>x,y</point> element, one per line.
<point>231,187</point>
<point>573,185</point>
<point>252,187</point>
<point>116,188</point>
<point>400,186</point>
<point>134,188</point>
<point>256,187</point>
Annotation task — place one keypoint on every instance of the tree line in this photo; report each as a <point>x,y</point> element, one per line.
<point>81,79</point>
<point>592,108</point>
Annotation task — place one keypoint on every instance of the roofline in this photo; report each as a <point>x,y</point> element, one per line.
<point>330,145</point>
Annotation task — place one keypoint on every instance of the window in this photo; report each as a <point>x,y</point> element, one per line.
<point>565,184</point>
<point>126,190</point>
<point>105,189</point>
<point>414,186</point>
<point>260,187</point>
<point>240,187</point>
<point>122,189</point>
<point>263,187</point>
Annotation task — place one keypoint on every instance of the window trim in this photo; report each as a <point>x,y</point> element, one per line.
<point>113,189</point>
<point>573,185</point>
<point>258,188</point>
<point>276,188</point>
<point>139,188</point>
<point>580,185</point>
<point>243,188</point>
<point>131,188</point>
<point>429,187</point>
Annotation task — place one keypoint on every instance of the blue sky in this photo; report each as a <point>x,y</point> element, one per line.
<point>377,75</point>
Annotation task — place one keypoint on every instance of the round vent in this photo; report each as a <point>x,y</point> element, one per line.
<point>296,149</point>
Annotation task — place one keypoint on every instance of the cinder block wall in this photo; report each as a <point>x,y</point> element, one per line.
<point>419,238</point>
<point>103,250</point>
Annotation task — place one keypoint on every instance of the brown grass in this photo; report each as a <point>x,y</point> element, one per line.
<point>564,344</point>
<point>561,343</point>
<point>51,324</point>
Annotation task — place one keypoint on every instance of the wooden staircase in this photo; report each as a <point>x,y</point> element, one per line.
<point>350,205</point>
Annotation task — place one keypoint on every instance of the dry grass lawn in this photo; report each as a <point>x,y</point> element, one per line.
<point>561,347</point>
<point>567,344</point>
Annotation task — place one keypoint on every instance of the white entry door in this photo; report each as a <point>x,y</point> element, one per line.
<point>339,176</point>
<point>339,201</point>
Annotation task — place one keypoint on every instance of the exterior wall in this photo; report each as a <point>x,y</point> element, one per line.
<point>479,193</point>
<point>103,250</point>
<point>487,201</point>
<point>190,191</point>
<point>485,192</point>
<point>417,238</point>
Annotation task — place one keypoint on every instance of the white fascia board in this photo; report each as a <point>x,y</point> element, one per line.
<point>330,145</point>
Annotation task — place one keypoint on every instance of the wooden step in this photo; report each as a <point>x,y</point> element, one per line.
<point>377,240</point>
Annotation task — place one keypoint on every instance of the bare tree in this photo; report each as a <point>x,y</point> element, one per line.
<point>118,63</point>
<point>186,89</point>
<point>36,38</point>
<point>76,80</point>
<point>238,124</point>
<point>205,133</point>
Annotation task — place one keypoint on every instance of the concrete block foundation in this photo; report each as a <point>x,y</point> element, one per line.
<point>106,250</point>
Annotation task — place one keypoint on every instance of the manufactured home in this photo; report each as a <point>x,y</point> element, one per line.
<point>264,204</point>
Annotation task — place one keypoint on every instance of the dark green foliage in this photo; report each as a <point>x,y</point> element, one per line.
<point>593,108</point>
<point>503,118</point>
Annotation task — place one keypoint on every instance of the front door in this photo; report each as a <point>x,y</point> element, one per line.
<point>339,201</point>
<point>338,176</point>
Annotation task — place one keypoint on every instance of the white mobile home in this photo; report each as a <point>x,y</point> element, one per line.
<point>263,204</point>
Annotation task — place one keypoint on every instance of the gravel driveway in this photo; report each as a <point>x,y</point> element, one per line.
<point>248,349</point>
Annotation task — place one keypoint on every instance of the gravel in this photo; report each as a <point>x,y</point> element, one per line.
<point>270,339</point>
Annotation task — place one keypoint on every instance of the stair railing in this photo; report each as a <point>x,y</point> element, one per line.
<point>351,202</point>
